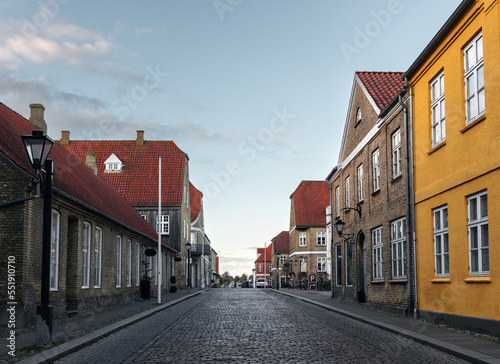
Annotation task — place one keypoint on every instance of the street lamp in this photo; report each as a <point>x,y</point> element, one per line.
<point>339,226</point>
<point>278,255</point>
<point>253,273</point>
<point>38,147</point>
<point>188,248</point>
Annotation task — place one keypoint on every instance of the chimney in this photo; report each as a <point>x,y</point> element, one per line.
<point>64,138</point>
<point>90,161</point>
<point>140,138</point>
<point>36,117</point>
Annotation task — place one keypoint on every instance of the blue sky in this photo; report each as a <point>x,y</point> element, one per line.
<point>256,92</point>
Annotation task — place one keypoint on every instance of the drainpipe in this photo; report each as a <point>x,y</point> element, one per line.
<point>411,301</point>
<point>331,240</point>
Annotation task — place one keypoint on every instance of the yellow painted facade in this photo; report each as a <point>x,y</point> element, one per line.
<point>459,163</point>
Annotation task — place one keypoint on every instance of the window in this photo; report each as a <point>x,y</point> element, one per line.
<point>118,261</point>
<point>302,239</point>
<point>137,264</point>
<point>86,255</point>
<point>54,251</point>
<point>113,164</point>
<point>396,153</point>
<point>321,238</point>
<point>129,263</point>
<point>377,257</point>
<point>347,193</point>
<point>398,244</point>
<point>98,257</point>
<point>376,170</point>
<point>360,183</point>
<point>337,201</point>
<point>303,265</point>
<point>321,262</point>
<point>437,110</point>
<point>358,116</point>
<point>474,79</point>
<point>479,262</point>
<point>282,259</point>
<point>194,240</point>
<point>349,263</point>
<point>260,268</point>
<point>338,255</point>
<point>164,224</point>
<point>441,253</point>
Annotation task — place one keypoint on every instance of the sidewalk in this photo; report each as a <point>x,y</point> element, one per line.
<point>77,331</point>
<point>466,346</point>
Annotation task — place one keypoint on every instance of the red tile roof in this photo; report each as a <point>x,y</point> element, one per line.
<point>194,201</point>
<point>72,178</point>
<point>382,86</point>
<point>266,255</point>
<point>282,242</point>
<point>309,201</point>
<point>138,181</point>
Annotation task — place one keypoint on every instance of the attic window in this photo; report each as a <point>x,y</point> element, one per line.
<point>113,164</point>
<point>358,116</point>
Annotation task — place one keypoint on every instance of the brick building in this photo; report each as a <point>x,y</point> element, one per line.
<point>307,241</point>
<point>132,167</point>
<point>98,239</point>
<point>369,194</point>
<point>281,246</point>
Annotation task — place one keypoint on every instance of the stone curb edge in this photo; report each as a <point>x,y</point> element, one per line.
<point>467,354</point>
<point>69,347</point>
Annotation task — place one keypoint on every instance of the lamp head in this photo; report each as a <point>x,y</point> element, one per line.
<point>38,147</point>
<point>339,226</point>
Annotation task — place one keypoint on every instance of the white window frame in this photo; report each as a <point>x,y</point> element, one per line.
<point>98,257</point>
<point>165,224</point>
<point>321,238</point>
<point>358,116</point>
<point>438,124</point>
<point>302,239</point>
<point>54,250</point>
<point>376,170</point>
<point>477,217</point>
<point>441,243</point>
<point>398,248</point>
<point>348,192</point>
<point>87,231</point>
<point>129,263</point>
<point>138,264</point>
<point>474,79</point>
<point>321,264</point>
<point>337,201</point>
<point>260,268</point>
<point>360,183</point>
<point>377,254</point>
<point>118,261</point>
<point>396,153</point>
<point>282,259</point>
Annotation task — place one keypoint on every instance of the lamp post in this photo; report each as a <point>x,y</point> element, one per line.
<point>38,147</point>
<point>278,255</point>
<point>253,273</point>
<point>297,276</point>
<point>188,248</point>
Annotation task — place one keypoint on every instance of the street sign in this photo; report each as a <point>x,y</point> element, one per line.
<point>312,282</point>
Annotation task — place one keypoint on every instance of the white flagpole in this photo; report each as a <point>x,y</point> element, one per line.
<point>158,258</point>
<point>265,261</point>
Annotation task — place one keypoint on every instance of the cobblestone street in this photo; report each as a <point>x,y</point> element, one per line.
<point>253,326</point>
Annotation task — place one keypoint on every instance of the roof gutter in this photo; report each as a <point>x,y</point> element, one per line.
<point>440,35</point>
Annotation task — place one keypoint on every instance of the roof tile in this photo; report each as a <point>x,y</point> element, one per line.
<point>382,86</point>
<point>309,201</point>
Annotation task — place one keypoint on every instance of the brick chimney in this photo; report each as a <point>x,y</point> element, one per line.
<point>64,137</point>
<point>140,138</point>
<point>36,117</point>
<point>90,161</point>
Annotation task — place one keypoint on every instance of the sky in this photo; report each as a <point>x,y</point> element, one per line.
<point>254,91</point>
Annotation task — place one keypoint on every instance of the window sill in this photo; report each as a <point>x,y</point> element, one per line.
<point>397,178</point>
<point>54,290</point>
<point>402,280</point>
<point>437,147</point>
<point>478,280</point>
<point>377,281</point>
<point>442,280</point>
<point>97,287</point>
<point>376,192</point>
<point>474,123</point>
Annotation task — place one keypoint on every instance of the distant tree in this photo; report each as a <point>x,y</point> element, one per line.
<point>237,278</point>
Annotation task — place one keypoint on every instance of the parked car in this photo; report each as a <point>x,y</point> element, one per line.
<point>261,282</point>
<point>244,284</point>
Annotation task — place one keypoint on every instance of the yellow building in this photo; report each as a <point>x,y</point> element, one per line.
<point>455,114</point>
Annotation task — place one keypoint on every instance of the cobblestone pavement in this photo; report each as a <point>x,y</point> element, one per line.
<point>253,326</point>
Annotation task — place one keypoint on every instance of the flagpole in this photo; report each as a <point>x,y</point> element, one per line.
<point>158,258</point>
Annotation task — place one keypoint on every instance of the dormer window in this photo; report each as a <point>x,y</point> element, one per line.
<point>113,164</point>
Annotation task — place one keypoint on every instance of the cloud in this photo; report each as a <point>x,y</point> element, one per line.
<point>24,43</point>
